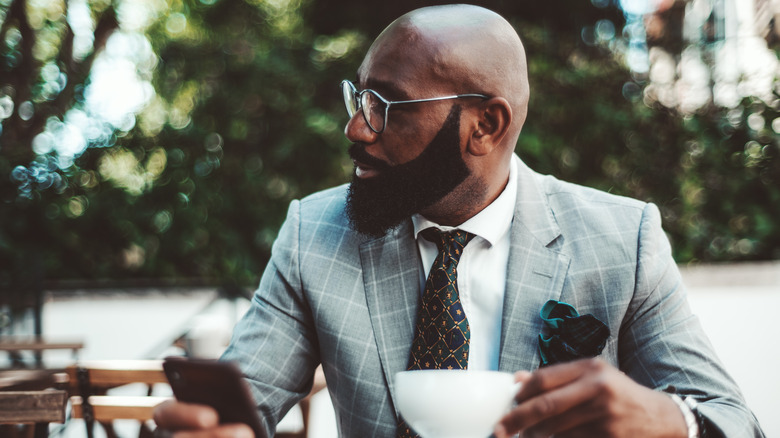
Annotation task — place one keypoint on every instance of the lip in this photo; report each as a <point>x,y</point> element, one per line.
<point>363,170</point>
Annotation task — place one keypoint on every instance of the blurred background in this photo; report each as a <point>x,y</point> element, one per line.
<point>149,148</point>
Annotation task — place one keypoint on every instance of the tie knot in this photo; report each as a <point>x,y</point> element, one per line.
<point>448,242</point>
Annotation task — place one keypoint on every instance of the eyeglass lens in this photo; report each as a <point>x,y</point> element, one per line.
<point>373,110</point>
<point>372,106</point>
<point>350,99</point>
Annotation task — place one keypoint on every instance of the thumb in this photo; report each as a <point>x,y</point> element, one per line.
<point>522,376</point>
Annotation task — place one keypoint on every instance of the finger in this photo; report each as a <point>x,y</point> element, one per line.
<point>553,376</point>
<point>577,433</point>
<point>571,423</point>
<point>500,431</point>
<point>522,376</point>
<point>175,415</point>
<point>550,406</point>
<point>235,430</point>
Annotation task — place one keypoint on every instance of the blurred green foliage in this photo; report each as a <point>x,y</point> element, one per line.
<point>247,116</point>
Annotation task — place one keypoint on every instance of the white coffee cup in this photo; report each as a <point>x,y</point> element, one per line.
<point>454,403</point>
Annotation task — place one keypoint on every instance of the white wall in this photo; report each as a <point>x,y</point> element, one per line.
<point>739,307</point>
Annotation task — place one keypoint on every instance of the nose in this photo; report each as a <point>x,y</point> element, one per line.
<point>358,131</point>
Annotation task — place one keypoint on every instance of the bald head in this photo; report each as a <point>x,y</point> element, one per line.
<point>434,55</point>
<point>462,49</point>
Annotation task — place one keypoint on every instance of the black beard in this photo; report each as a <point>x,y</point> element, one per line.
<point>378,204</point>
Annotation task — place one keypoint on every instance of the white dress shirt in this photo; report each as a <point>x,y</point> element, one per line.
<point>481,271</point>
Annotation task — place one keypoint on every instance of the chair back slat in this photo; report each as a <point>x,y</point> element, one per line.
<point>106,408</point>
<point>107,374</point>
<point>89,382</point>
<point>19,407</point>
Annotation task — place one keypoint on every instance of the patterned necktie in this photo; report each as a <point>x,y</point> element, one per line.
<point>441,338</point>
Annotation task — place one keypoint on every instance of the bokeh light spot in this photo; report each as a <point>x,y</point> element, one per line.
<point>605,30</point>
<point>162,221</point>
<point>133,257</point>
<point>632,91</point>
<point>76,207</point>
<point>213,142</point>
<point>12,37</point>
<point>277,188</point>
<point>6,107</point>
<point>756,121</point>
<point>254,164</point>
<point>26,110</point>
<point>176,23</point>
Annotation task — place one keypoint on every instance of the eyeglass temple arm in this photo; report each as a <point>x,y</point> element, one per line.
<point>431,99</point>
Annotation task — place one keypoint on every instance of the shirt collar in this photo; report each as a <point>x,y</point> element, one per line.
<point>492,223</point>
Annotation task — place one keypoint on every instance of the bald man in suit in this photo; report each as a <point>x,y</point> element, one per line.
<point>438,106</point>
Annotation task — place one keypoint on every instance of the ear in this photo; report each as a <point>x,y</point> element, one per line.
<point>492,123</point>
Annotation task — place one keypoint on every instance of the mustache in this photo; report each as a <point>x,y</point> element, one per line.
<point>358,153</point>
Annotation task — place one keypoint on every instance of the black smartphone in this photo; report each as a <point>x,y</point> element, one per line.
<point>219,384</point>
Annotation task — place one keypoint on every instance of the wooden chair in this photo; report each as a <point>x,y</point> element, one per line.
<point>38,408</point>
<point>89,382</point>
<point>27,380</point>
<point>14,345</point>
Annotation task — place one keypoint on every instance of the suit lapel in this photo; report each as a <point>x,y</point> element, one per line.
<point>535,273</point>
<point>391,277</point>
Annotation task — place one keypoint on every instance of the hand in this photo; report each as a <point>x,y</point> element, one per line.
<point>588,398</point>
<point>186,420</point>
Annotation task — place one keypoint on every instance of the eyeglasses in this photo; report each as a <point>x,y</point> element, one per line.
<point>375,107</point>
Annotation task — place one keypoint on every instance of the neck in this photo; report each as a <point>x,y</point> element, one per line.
<point>466,201</point>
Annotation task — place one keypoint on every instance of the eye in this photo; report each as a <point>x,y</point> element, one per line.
<point>375,105</point>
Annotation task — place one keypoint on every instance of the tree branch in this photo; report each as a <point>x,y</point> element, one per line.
<point>15,131</point>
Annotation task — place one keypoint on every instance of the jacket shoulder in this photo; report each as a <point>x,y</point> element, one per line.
<point>565,192</point>
<point>594,220</point>
<point>325,207</point>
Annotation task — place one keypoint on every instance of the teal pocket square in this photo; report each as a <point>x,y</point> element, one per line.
<point>569,335</point>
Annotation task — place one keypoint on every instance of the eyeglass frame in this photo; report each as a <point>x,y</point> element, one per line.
<point>359,104</point>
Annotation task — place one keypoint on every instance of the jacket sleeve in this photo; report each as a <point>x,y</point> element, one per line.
<point>663,346</point>
<point>275,343</point>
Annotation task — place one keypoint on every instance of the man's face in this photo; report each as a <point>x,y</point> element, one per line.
<point>418,159</point>
<point>383,201</point>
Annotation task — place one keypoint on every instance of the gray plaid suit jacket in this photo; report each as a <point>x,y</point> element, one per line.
<point>332,296</point>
